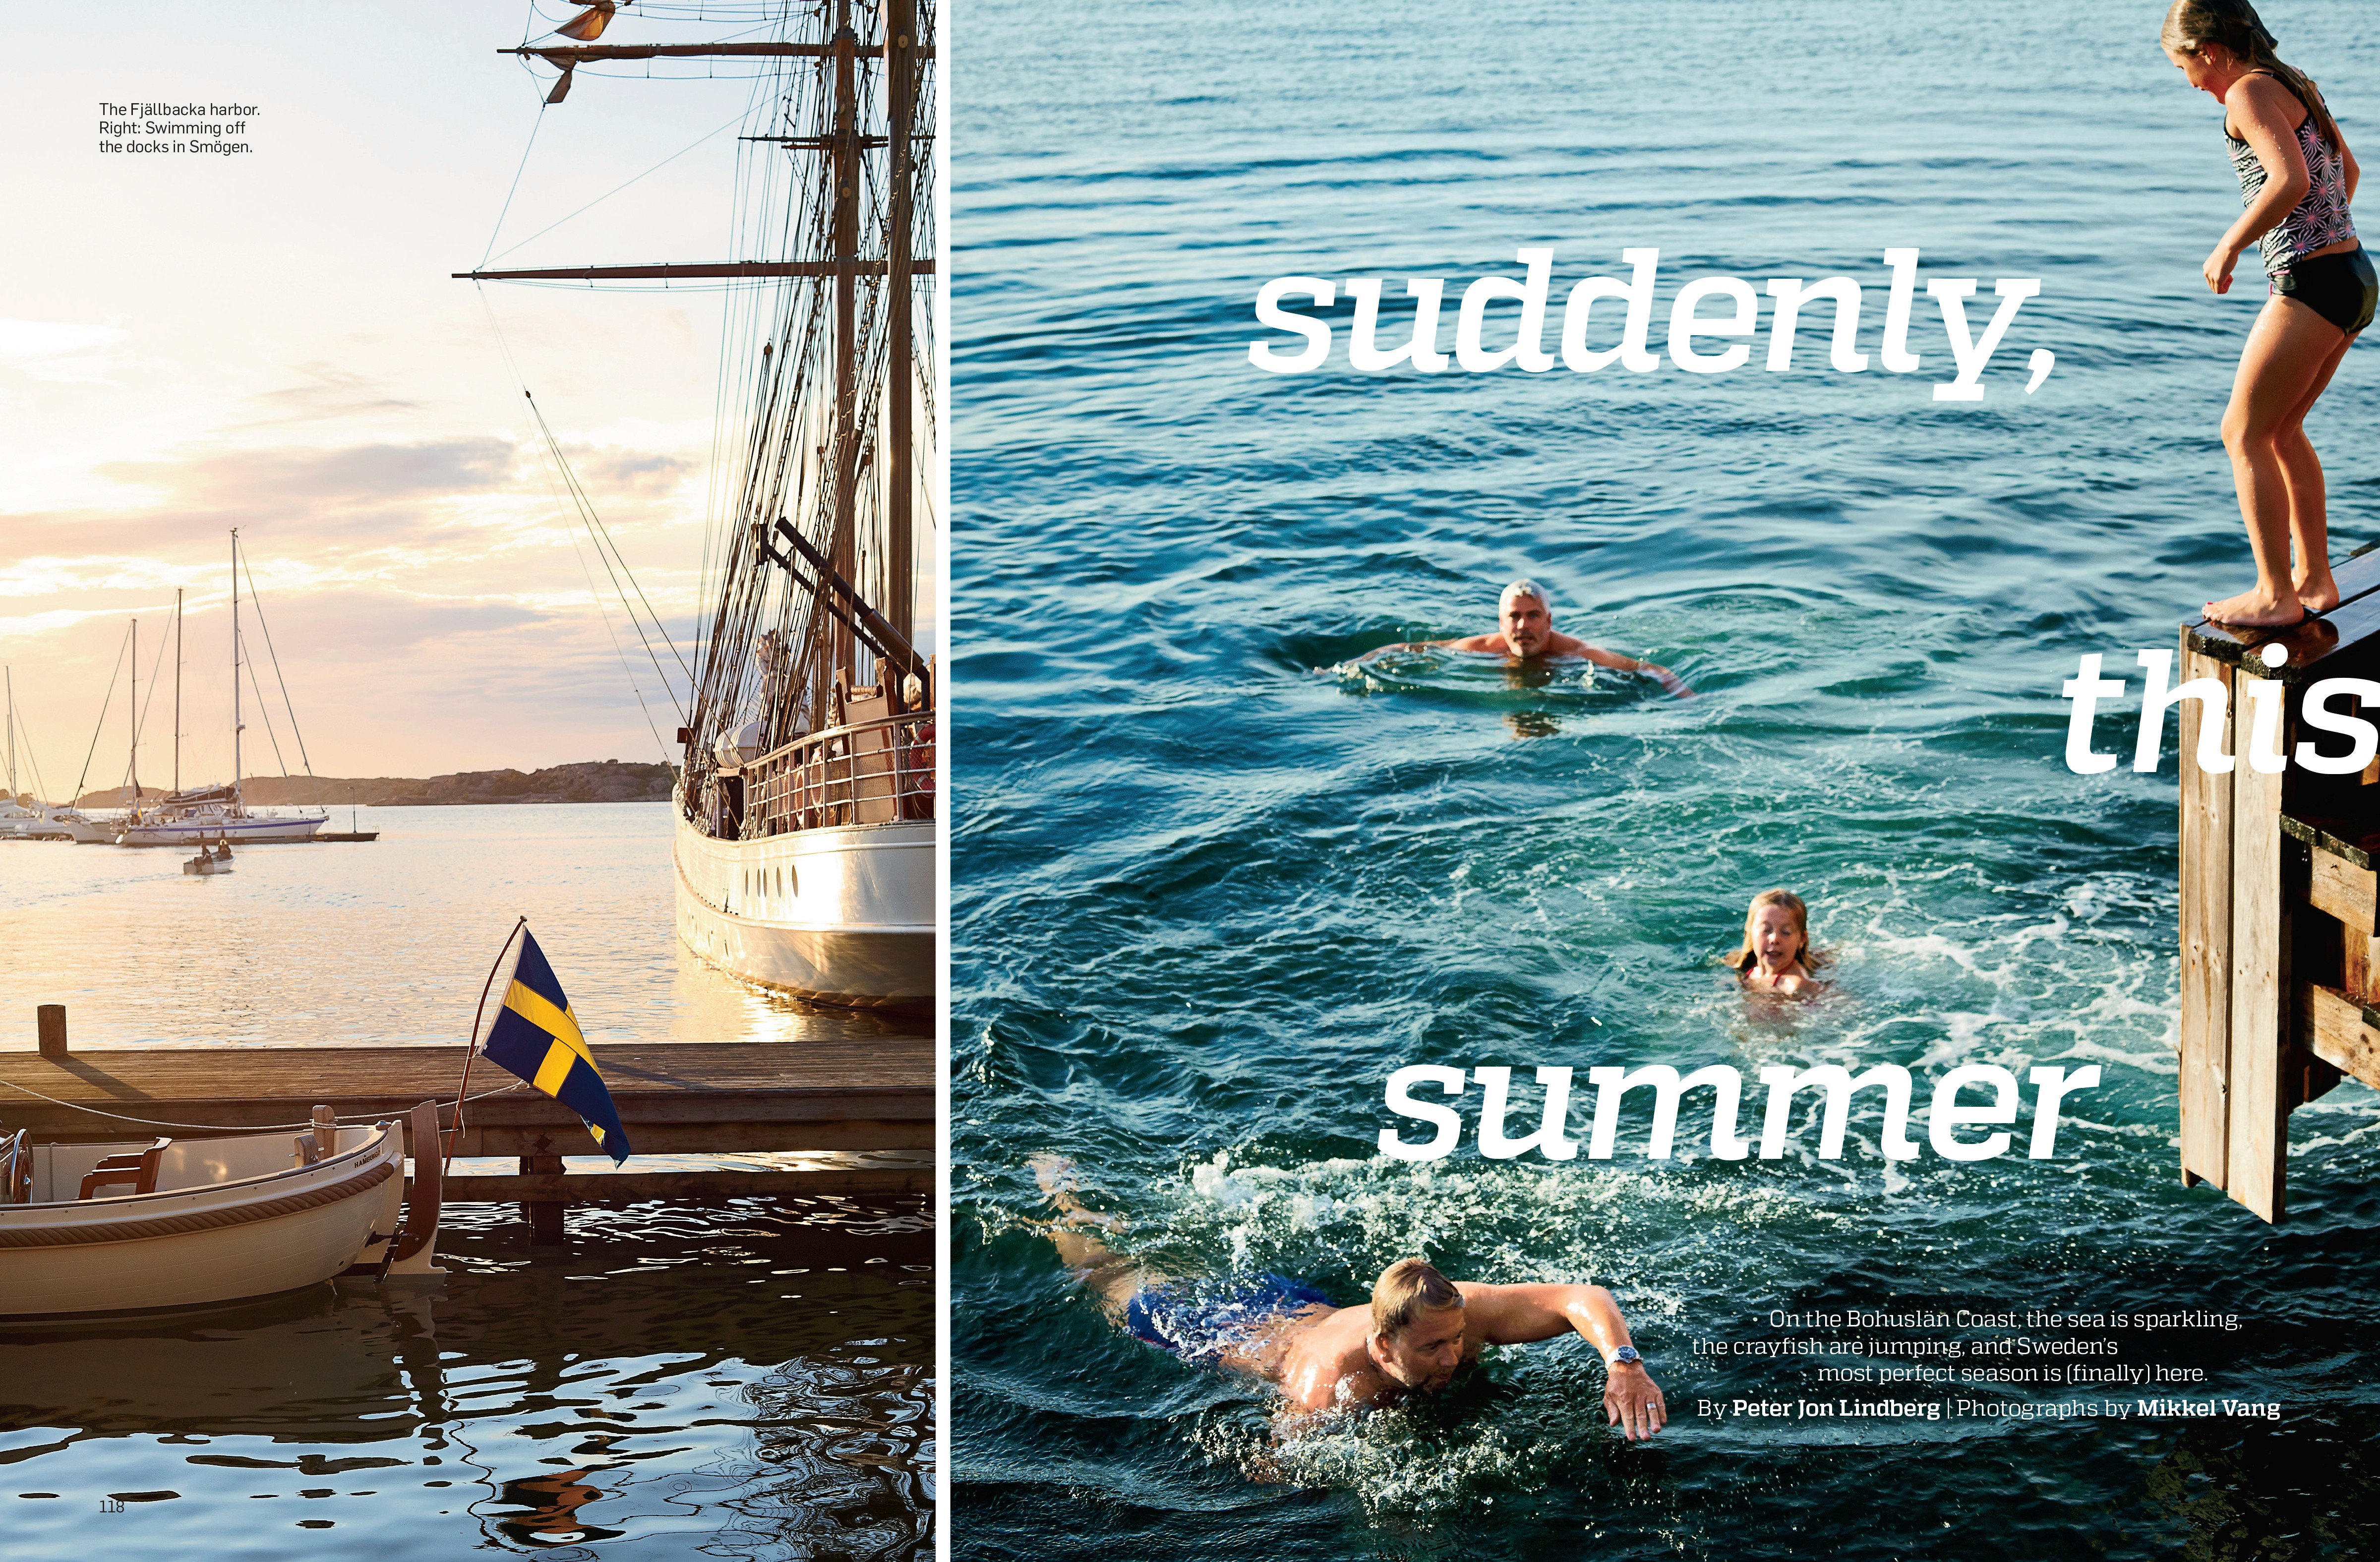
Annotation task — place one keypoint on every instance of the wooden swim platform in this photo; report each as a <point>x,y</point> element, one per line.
<point>872,1092</point>
<point>2280,934</point>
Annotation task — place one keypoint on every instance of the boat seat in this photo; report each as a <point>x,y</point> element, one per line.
<point>139,1169</point>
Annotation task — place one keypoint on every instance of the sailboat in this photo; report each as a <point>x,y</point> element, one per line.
<point>38,821</point>
<point>806,800</point>
<point>217,814</point>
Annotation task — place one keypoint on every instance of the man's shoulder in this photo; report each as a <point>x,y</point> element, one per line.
<point>1477,642</point>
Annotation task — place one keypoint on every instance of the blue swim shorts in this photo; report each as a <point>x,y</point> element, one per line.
<point>1198,1319</point>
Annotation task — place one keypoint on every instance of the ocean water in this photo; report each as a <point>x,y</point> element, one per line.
<point>1213,882</point>
<point>752,1379</point>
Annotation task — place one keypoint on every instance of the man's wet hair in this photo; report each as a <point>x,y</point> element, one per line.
<point>1408,1289</point>
<point>1525,588</point>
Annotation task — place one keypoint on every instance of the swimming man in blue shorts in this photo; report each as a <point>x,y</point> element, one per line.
<point>1420,1328</point>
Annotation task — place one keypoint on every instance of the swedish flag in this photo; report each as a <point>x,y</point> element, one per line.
<point>537,1037</point>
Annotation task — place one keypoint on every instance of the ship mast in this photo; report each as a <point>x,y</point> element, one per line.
<point>900,50</point>
<point>132,717</point>
<point>237,729</point>
<point>837,386</point>
<point>178,688</point>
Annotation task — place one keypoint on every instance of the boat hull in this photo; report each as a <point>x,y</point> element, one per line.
<point>252,829</point>
<point>853,923</point>
<point>186,1246</point>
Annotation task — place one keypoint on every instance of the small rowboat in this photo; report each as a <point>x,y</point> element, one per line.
<point>181,1222</point>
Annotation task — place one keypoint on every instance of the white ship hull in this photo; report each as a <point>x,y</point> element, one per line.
<point>844,914</point>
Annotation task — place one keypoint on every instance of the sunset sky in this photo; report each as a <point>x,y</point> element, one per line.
<point>189,344</point>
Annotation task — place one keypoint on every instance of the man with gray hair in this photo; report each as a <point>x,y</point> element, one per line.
<point>1420,1329</point>
<point>1525,632</point>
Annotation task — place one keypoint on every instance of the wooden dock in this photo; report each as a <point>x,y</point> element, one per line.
<point>2280,940</point>
<point>869,1092</point>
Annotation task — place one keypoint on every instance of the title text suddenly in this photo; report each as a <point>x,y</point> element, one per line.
<point>1733,313</point>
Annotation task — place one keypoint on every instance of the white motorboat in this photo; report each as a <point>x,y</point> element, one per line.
<point>180,1223</point>
<point>217,860</point>
<point>19,822</point>
<point>48,822</point>
<point>82,828</point>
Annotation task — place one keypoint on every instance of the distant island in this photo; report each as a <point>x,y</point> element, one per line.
<point>593,781</point>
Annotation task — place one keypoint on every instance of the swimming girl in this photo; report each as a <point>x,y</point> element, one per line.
<point>2296,179</point>
<point>1777,957</point>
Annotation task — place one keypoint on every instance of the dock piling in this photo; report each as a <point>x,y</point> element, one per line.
<point>544,1214</point>
<point>50,1023</point>
<point>2279,938</point>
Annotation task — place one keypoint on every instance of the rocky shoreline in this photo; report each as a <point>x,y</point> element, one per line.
<point>592,781</point>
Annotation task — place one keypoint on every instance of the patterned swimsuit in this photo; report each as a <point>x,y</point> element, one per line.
<point>2320,218</point>
<point>2342,287</point>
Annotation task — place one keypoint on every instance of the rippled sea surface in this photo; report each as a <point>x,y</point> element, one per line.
<point>749,1380</point>
<point>1213,884</point>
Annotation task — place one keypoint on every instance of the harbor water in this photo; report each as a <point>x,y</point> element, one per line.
<point>1214,881</point>
<point>750,1379</point>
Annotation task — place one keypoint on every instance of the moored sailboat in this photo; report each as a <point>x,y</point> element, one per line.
<point>198,816</point>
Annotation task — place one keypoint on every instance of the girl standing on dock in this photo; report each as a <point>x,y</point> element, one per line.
<point>2296,180</point>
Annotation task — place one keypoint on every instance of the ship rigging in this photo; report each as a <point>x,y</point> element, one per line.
<point>807,801</point>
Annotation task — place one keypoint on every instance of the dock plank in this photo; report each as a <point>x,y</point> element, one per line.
<point>870,1092</point>
<point>2342,1032</point>
<point>2257,1141</point>
<point>2331,646</point>
<point>2206,941</point>
<point>697,1187</point>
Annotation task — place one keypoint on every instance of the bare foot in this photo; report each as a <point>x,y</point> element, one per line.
<point>1055,1172</point>
<point>1056,1175</point>
<point>2254,610</point>
<point>2317,590</point>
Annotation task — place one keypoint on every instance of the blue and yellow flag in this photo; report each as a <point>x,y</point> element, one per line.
<point>537,1037</point>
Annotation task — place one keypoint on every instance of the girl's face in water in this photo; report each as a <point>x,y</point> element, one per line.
<point>1773,938</point>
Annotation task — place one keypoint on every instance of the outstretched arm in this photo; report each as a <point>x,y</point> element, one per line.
<point>1617,663</point>
<point>1523,1314</point>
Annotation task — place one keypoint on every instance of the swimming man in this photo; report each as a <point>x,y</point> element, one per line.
<point>1420,1329</point>
<point>1525,631</point>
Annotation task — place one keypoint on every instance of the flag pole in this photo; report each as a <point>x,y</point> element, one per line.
<point>464,1089</point>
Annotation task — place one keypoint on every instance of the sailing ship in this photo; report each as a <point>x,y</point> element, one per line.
<point>216,814</point>
<point>806,802</point>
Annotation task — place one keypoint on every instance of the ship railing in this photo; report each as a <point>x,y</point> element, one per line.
<point>869,772</point>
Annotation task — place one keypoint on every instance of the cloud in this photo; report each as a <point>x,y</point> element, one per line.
<point>23,339</point>
<point>58,352</point>
<point>359,473</point>
<point>327,392</point>
<point>642,474</point>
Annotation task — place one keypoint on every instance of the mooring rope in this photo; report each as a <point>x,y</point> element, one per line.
<point>239,1127</point>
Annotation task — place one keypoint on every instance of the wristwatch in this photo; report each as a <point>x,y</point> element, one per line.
<point>1626,1356</point>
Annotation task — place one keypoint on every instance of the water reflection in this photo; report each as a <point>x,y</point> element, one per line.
<point>758,1373</point>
